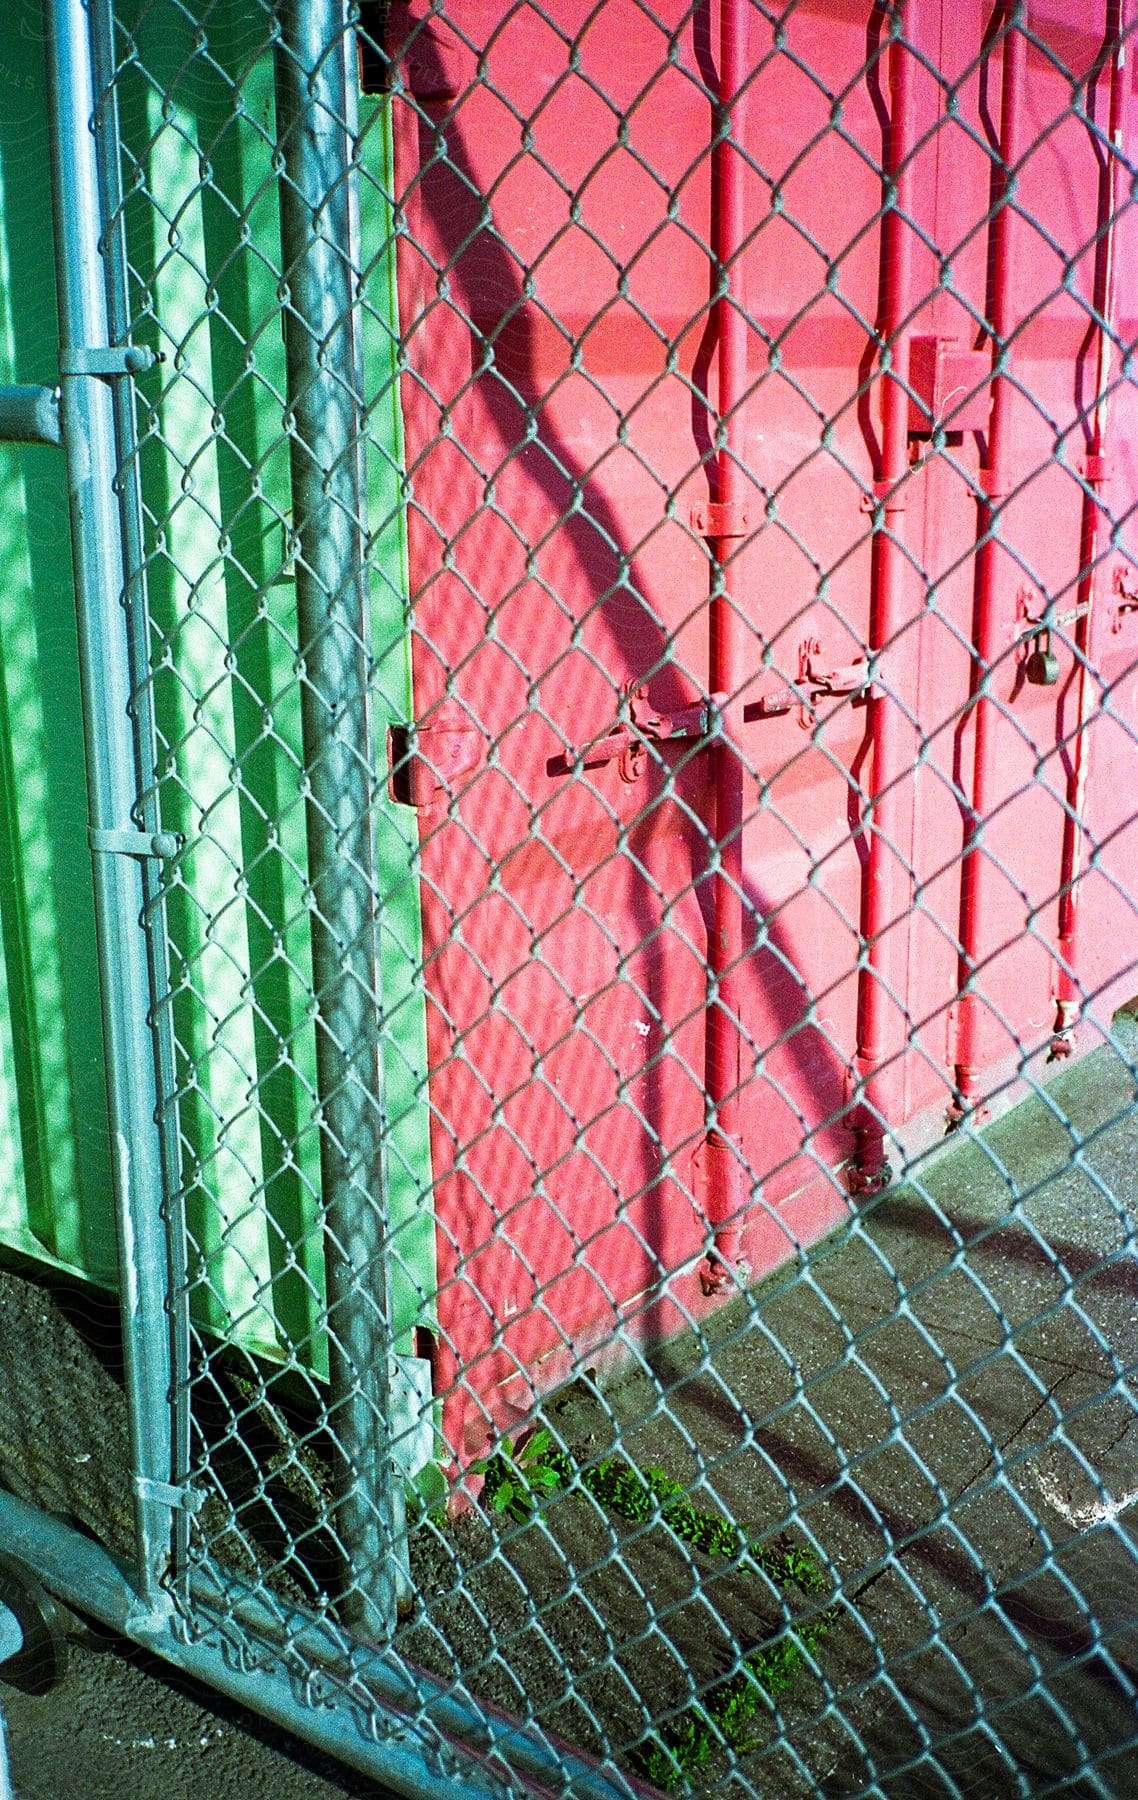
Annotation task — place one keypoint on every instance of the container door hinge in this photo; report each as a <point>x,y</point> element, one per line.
<point>125,841</point>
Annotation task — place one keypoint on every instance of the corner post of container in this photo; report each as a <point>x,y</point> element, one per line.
<point>88,365</point>
<point>325,422</point>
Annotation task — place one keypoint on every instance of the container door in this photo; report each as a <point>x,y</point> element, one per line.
<point>555,290</point>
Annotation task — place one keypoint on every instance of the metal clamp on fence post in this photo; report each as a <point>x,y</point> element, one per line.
<point>125,841</point>
<point>108,361</point>
<point>163,1493</point>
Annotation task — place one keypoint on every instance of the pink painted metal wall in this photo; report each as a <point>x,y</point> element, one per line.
<point>562,241</point>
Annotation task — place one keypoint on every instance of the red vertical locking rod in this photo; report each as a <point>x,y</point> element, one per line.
<point>990,640</point>
<point>725,1171</point>
<point>882,819</point>
<point>1069,988</point>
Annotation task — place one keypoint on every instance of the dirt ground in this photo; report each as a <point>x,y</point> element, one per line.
<point>937,1405</point>
<point>124,1726</point>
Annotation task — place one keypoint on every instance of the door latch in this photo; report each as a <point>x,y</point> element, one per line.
<point>822,682</point>
<point>713,720</point>
<point>628,741</point>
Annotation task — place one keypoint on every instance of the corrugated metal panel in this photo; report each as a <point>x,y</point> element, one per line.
<point>54,1158</point>
<point>215,483</point>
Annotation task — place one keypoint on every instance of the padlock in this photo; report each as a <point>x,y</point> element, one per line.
<point>1042,666</point>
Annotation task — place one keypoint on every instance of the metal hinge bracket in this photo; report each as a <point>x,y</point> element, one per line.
<point>427,762</point>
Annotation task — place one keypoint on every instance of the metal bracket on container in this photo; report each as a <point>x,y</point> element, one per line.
<point>883,497</point>
<point>1126,595</point>
<point>108,361</point>
<point>1096,471</point>
<point>722,518</point>
<point>427,762</point>
<point>125,841</point>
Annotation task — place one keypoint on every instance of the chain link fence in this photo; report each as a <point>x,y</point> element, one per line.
<point>630,632</point>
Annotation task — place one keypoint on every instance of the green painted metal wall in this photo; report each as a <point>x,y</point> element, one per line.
<point>203,247</point>
<point>54,1156</point>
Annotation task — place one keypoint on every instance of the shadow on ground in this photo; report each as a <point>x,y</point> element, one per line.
<point>937,1404</point>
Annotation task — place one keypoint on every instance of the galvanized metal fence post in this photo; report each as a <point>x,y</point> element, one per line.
<point>88,364</point>
<point>108,150</point>
<point>324,424</point>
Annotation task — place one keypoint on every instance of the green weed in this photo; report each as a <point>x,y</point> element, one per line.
<point>724,1716</point>
<point>519,1480</point>
<point>516,1480</point>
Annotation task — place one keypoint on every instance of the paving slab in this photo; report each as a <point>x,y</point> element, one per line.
<point>941,1400</point>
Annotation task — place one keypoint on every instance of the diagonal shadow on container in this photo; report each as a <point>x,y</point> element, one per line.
<point>592,555</point>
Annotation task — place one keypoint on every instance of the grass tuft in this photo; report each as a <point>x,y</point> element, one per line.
<point>518,1481</point>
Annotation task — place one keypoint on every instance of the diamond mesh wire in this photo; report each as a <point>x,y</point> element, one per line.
<point>735,629</point>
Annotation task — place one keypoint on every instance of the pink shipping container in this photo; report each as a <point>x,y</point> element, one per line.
<point>638,351</point>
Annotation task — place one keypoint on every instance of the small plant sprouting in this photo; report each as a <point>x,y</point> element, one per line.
<point>671,1758</point>
<point>518,1479</point>
<point>794,1564</point>
<point>638,1498</point>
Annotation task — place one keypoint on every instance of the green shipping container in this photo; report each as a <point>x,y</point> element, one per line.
<point>213,466</point>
